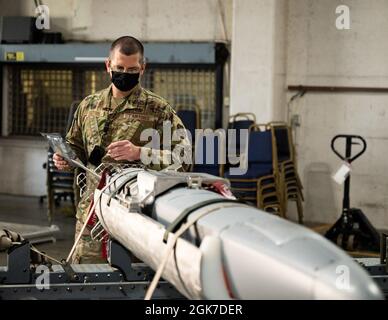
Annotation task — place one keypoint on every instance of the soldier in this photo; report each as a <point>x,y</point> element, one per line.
<point>107,127</point>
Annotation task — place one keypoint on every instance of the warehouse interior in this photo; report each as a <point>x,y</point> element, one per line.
<point>312,73</point>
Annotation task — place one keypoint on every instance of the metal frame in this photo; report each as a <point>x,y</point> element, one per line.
<point>378,267</point>
<point>121,279</point>
<point>156,52</point>
<point>3,101</point>
<point>90,66</point>
<point>207,55</point>
<point>247,115</point>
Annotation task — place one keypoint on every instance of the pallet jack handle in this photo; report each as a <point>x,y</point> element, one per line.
<point>350,140</point>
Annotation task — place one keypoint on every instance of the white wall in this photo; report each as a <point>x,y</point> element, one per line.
<point>319,54</point>
<point>160,20</point>
<point>21,171</point>
<point>279,60</point>
<point>148,20</point>
<point>259,58</point>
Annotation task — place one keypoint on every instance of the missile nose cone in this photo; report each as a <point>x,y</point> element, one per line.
<point>343,282</point>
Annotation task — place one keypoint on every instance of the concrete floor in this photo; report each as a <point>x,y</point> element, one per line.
<point>28,210</point>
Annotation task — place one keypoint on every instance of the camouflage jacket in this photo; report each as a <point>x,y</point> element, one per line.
<point>141,110</point>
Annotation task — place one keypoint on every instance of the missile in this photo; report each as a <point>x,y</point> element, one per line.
<point>210,246</point>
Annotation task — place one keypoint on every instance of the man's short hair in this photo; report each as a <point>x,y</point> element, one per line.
<point>128,45</point>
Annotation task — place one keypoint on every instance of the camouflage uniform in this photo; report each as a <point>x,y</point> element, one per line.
<point>142,109</point>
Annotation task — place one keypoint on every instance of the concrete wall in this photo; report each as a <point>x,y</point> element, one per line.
<point>21,171</point>
<point>149,20</point>
<point>259,58</point>
<point>319,54</point>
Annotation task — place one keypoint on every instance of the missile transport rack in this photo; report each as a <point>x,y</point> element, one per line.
<point>378,267</point>
<point>170,196</point>
<point>120,279</point>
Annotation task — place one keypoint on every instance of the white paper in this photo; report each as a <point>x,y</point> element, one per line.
<point>342,173</point>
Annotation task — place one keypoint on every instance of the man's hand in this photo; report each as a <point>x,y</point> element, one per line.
<point>60,163</point>
<point>123,150</point>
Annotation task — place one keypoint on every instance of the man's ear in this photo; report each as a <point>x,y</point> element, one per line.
<point>107,65</point>
<point>143,66</point>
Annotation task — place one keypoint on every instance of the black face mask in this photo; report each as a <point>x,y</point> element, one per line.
<point>125,81</point>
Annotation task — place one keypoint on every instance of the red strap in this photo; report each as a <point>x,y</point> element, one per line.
<point>93,218</point>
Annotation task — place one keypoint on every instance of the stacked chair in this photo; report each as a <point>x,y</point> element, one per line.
<point>241,121</point>
<point>289,182</point>
<point>191,118</point>
<point>272,179</point>
<point>201,163</point>
<point>60,184</point>
<point>238,122</point>
<point>259,184</point>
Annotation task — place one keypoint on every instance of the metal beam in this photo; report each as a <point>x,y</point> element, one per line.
<point>336,89</point>
<point>155,52</point>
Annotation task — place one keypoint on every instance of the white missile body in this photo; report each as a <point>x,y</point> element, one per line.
<point>233,250</point>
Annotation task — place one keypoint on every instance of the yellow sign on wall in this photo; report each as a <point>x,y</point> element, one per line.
<point>14,56</point>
